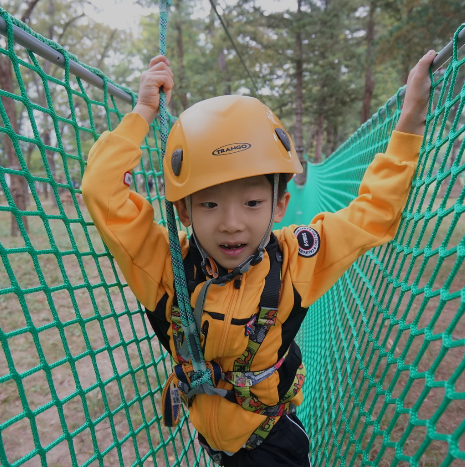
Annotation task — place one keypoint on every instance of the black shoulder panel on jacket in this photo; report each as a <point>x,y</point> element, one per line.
<point>160,324</point>
<point>289,330</point>
<point>291,326</point>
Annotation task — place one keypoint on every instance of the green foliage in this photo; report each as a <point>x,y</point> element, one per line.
<point>333,44</point>
<point>416,26</point>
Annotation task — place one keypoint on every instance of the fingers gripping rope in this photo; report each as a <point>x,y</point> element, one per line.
<point>202,374</point>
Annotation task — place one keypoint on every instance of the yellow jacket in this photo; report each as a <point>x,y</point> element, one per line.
<point>140,246</point>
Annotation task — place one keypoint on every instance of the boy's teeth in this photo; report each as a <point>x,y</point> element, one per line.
<point>238,245</point>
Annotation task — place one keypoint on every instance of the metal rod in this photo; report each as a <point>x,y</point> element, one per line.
<point>49,53</point>
<point>45,51</point>
<point>441,58</point>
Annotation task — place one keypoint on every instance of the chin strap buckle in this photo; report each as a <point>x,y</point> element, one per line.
<point>257,258</point>
<point>210,268</point>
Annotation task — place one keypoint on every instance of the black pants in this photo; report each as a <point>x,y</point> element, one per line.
<point>286,446</point>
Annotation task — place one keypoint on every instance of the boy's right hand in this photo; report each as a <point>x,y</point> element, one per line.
<point>158,75</point>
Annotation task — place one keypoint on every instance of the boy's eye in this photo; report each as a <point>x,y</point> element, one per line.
<point>253,204</point>
<point>209,205</point>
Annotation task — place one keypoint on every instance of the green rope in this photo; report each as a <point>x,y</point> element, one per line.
<point>201,373</point>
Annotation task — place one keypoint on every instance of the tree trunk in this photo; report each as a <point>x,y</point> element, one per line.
<point>457,188</point>
<point>405,71</point>
<point>298,133</point>
<point>406,62</point>
<point>330,138</point>
<point>106,48</point>
<point>319,137</point>
<point>45,134</point>
<point>47,140</point>
<point>18,184</point>
<point>224,70</point>
<point>28,11</point>
<point>172,107</point>
<point>369,81</point>
<point>335,135</point>
<point>311,142</point>
<point>181,78</point>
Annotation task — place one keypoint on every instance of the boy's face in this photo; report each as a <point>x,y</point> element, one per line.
<point>231,219</point>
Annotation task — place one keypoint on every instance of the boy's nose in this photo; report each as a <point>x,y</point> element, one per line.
<point>231,222</point>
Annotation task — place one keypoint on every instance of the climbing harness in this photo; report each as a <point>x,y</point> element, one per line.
<point>178,388</point>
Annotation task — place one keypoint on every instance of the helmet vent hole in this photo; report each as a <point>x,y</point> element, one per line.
<point>282,135</point>
<point>176,161</point>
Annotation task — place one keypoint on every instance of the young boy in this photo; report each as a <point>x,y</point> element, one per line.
<point>227,164</point>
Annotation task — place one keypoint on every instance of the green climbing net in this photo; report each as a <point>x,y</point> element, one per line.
<point>81,374</point>
<point>384,348</point>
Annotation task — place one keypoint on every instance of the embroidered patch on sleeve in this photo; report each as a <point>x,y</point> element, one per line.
<point>309,241</point>
<point>127,179</point>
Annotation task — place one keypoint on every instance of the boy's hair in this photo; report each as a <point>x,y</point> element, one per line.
<point>282,183</point>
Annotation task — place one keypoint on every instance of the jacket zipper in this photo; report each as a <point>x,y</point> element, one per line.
<point>235,287</point>
<point>228,317</point>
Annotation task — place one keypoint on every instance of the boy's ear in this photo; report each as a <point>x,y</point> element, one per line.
<point>281,207</point>
<point>183,214</point>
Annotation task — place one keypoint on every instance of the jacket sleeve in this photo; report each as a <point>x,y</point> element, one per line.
<point>370,220</point>
<point>125,219</point>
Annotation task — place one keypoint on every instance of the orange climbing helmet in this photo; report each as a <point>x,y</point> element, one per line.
<point>223,139</point>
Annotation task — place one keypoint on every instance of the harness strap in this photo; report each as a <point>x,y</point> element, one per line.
<point>266,316</point>
<point>178,390</point>
<point>183,348</point>
<point>200,302</point>
<point>248,401</point>
<point>242,381</point>
<point>170,402</point>
<point>241,377</point>
<point>259,327</point>
<point>189,269</point>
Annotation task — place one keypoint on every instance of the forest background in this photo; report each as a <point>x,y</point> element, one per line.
<point>323,66</point>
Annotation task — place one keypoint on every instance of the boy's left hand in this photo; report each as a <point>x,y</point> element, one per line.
<point>413,117</point>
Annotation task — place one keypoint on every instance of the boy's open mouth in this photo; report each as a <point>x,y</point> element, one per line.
<point>232,246</point>
<point>232,249</point>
